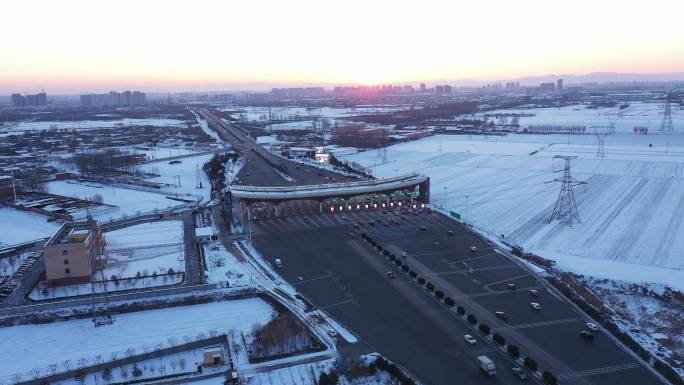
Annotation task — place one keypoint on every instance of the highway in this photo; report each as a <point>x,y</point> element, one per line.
<point>259,169</point>
<point>397,318</point>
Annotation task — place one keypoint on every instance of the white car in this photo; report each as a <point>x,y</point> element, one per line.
<point>332,333</point>
<point>535,305</point>
<point>592,326</point>
<point>473,248</point>
<point>470,339</point>
<point>404,254</point>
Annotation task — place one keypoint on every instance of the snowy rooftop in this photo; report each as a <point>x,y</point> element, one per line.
<point>204,231</point>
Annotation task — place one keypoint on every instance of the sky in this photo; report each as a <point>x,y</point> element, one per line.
<point>83,45</point>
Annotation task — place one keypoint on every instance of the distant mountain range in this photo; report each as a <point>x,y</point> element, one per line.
<point>594,77</point>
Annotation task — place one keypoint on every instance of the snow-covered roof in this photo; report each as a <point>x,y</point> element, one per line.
<point>329,189</point>
<point>204,231</point>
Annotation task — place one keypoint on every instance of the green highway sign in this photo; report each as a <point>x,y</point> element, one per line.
<point>455,215</point>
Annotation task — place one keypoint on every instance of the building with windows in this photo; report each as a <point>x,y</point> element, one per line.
<point>19,100</point>
<point>126,98</point>
<point>74,253</point>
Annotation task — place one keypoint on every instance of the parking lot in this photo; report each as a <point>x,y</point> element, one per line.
<point>397,318</point>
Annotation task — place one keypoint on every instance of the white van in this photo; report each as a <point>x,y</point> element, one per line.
<point>486,365</point>
<point>278,262</point>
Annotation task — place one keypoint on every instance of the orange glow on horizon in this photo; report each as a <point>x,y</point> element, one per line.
<point>78,45</point>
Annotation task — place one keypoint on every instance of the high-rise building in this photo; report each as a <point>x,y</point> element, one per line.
<point>422,88</point>
<point>19,100</point>
<point>126,98</point>
<point>547,86</point>
<point>559,84</point>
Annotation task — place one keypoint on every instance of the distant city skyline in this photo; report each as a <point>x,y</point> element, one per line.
<point>80,46</point>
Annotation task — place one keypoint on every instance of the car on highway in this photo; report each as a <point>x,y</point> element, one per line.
<point>592,326</point>
<point>511,286</point>
<point>534,292</point>
<point>352,235</point>
<point>535,305</point>
<point>520,373</point>
<point>371,222</point>
<point>473,248</point>
<point>306,219</point>
<point>470,339</point>
<point>422,228</point>
<point>587,335</point>
<point>501,315</point>
<point>391,275</point>
<point>404,254</point>
<point>332,333</point>
<point>450,232</point>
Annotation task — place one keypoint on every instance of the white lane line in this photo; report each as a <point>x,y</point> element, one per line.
<point>599,371</point>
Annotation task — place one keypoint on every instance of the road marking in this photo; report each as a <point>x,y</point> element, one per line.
<point>356,304</point>
<point>599,371</point>
<point>505,280</point>
<point>540,323</point>
<point>328,275</point>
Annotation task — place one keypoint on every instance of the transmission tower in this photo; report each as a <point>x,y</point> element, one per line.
<point>565,209</point>
<point>601,140</point>
<point>666,124</point>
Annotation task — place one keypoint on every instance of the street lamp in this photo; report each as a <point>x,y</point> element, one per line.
<point>445,205</point>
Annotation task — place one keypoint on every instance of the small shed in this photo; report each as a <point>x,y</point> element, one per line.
<point>214,356</point>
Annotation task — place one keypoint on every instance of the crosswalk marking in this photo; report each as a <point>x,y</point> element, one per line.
<point>598,371</point>
<point>540,323</point>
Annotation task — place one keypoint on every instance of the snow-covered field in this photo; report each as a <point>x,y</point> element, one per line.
<point>146,248</point>
<point>130,202</point>
<point>631,209</point>
<point>18,226</point>
<point>54,343</point>
<point>186,171</point>
<point>89,124</point>
<point>224,267</point>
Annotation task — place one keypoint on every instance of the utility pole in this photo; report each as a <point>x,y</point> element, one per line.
<point>565,208</point>
<point>14,187</point>
<point>445,205</point>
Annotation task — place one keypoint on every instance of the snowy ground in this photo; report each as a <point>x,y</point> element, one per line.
<point>90,124</point>
<point>130,202</point>
<point>224,267</point>
<point>169,364</point>
<point>632,207</point>
<point>18,226</point>
<point>650,313</point>
<point>61,341</point>
<point>182,177</point>
<point>145,248</point>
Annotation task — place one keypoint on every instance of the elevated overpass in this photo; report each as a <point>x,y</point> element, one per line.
<point>322,192</point>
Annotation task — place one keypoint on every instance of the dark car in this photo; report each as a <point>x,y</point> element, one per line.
<point>391,275</point>
<point>520,373</point>
<point>587,335</point>
<point>501,315</point>
<point>422,228</point>
<point>306,219</point>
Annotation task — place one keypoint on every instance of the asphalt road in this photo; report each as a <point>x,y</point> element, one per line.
<point>258,171</point>
<point>396,318</point>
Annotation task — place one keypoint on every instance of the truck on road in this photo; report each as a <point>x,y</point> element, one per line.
<point>486,365</point>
